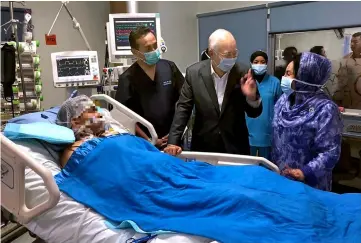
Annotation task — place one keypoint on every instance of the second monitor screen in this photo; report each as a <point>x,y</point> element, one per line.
<point>123,27</point>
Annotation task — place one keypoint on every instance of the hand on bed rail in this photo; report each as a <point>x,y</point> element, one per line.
<point>173,150</point>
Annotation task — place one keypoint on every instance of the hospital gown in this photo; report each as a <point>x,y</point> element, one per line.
<point>307,134</point>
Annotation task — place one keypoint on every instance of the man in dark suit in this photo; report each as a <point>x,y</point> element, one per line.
<point>221,92</point>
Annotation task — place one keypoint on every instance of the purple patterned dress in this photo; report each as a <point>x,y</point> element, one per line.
<point>307,132</point>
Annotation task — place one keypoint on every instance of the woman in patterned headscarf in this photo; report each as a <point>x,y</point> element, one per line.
<point>307,125</point>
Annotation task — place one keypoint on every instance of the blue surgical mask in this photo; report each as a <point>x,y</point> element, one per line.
<point>259,69</point>
<point>151,58</point>
<point>227,64</point>
<point>286,85</point>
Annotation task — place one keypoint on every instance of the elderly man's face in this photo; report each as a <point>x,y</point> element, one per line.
<point>226,49</point>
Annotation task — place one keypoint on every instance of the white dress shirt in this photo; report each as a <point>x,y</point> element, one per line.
<point>220,84</point>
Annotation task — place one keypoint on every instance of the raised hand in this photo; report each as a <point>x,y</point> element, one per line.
<point>249,86</point>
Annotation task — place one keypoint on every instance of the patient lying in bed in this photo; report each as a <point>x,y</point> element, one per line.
<point>129,182</point>
<point>83,117</point>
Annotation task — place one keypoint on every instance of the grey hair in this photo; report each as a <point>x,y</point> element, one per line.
<point>217,36</point>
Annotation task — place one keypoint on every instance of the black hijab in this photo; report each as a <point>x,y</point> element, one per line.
<point>254,55</point>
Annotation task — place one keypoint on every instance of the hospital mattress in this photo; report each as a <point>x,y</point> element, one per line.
<point>70,221</point>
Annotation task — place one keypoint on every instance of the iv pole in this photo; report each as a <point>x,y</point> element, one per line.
<point>76,24</point>
<point>14,32</point>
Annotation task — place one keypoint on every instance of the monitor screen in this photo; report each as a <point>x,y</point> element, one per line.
<point>73,66</point>
<point>123,27</point>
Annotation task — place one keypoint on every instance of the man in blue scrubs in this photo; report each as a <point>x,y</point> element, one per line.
<point>151,86</point>
<point>269,87</point>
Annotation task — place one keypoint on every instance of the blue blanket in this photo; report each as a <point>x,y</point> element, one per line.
<point>126,179</point>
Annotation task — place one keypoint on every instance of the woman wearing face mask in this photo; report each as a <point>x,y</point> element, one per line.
<point>270,90</point>
<point>307,125</point>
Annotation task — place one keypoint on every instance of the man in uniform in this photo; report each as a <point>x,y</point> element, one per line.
<point>151,86</point>
<point>347,86</point>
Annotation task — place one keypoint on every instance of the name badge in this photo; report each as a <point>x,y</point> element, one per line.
<point>165,83</point>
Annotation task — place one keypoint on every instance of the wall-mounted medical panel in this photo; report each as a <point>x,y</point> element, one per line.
<point>313,16</point>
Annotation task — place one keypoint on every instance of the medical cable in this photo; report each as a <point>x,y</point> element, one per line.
<point>141,240</point>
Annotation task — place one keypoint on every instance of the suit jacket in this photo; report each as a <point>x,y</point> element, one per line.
<point>222,131</point>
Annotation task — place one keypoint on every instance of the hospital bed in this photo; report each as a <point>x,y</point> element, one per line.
<point>30,194</point>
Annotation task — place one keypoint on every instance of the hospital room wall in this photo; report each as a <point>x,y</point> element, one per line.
<point>178,22</point>
<point>92,17</point>
<point>180,28</point>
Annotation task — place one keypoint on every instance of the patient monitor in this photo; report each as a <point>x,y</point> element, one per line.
<point>75,68</point>
<point>119,28</point>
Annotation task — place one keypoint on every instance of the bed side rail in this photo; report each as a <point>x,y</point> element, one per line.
<point>228,159</point>
<point>125,116</point>
<point>13,163</point>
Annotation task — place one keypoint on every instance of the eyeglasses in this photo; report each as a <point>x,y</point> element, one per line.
<point>231,54</point>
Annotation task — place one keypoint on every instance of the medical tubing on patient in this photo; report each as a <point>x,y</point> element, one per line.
<point>75,107</point>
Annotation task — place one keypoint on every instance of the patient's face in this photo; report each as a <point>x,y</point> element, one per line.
<point>90,119</point>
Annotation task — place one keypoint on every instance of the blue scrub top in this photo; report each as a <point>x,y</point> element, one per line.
<point>260,128</point>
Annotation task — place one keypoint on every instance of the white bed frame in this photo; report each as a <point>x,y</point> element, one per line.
<point>14,161</point>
